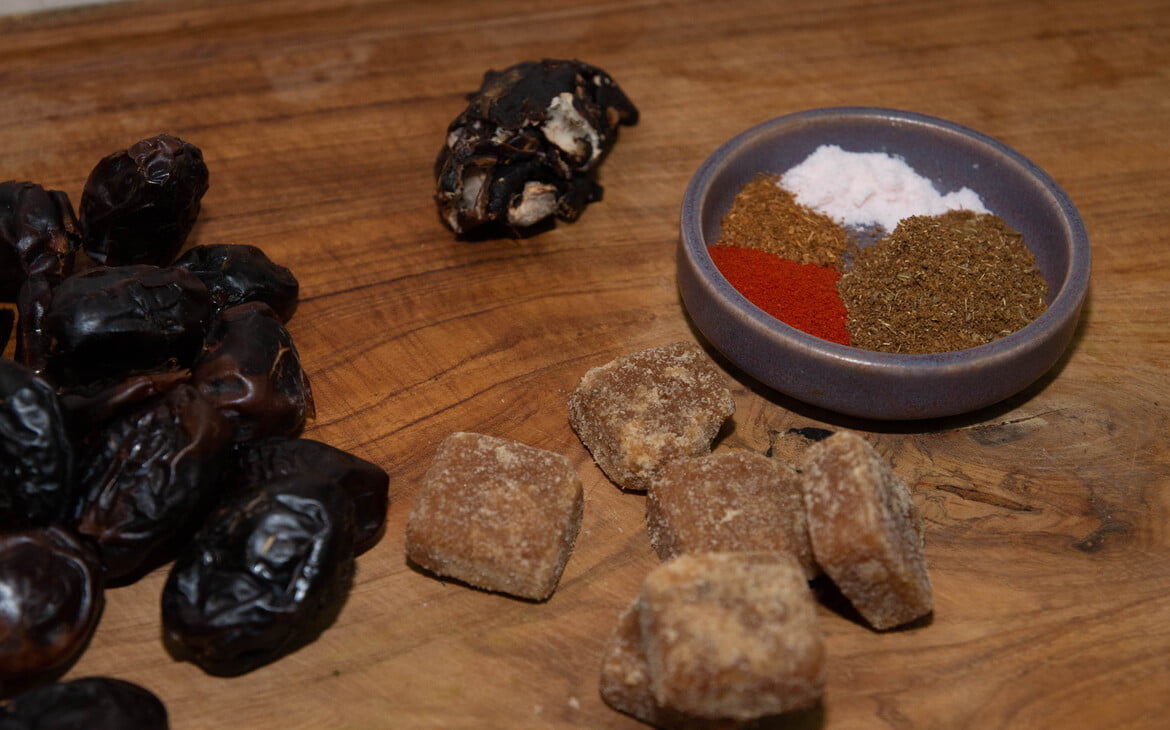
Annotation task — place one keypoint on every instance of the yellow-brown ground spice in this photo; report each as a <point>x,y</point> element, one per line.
<point>942,283</point>
<point>767,217</point>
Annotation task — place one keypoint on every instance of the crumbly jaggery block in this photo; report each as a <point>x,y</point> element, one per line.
<point>866,531</point>
<point>731,635</point>
<point>643,410</point>
<point>625,681</point>
<point>790,445</point>
<point>731,501</point>
<point>497,515</point>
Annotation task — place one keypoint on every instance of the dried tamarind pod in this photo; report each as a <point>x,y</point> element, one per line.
<point>523,148</point>
<point>139,204</point>
<point>865,530</point>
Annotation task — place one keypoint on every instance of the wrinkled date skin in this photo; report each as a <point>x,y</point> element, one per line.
<point>266,574</point>
<point>251,371</point>
<point>36,454</point>
<point>6,320</point>
<point>38,235</point>
<point>32,305</point>
<point>367,484</point>
<point>525,146</point>
<point>149,477</point>
<point>139,204</point>
<point>111,322</point>
<point>38,246</point>
<point>87,411</point>
<point>92,703</point>
<point>52,588</point>
<point>239,273</point>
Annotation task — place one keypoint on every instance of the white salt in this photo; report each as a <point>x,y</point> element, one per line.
<point>869,188</point>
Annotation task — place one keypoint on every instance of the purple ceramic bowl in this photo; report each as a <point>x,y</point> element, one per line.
<point>860,382</point>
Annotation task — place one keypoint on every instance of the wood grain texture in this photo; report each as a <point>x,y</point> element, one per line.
<point>1048,517</point>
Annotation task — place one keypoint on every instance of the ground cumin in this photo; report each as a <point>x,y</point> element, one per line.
<point>767,217</point>
<point>941,283</point>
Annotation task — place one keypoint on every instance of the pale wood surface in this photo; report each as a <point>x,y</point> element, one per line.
<point>1048,518</point>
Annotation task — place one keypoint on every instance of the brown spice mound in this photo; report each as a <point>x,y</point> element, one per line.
<point>942,283</point>
<point>767,217</point>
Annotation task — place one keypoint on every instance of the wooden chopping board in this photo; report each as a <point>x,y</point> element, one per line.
<point>1046,516</point>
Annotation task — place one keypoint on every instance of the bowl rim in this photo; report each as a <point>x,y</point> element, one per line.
<point>1065,305</point>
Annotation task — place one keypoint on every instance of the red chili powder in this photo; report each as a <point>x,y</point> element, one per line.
<point>803,296</point>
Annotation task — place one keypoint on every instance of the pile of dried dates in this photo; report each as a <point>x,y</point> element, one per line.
<point>152,415</point>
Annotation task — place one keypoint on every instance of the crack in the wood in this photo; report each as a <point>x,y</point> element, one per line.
<point>994,500</point>
<point>1096,540</point>
<point>1008,422</point>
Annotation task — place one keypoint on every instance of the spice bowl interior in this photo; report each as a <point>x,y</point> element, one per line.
<point>865,383</point>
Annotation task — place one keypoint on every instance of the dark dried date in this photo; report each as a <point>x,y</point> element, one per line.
<point>251,371</point>
<point>32,340</point>
<point>38,245</point>
<point>88,410</point>
<point>367,484</point>
<point>38,235</point>
<point>148,478</point>
<point>239,273</point>
<point>51,587</point>
<point>266,574</point>
<point>138,381</point>
<point>92,703</point>
<point>7,318</point>
<point>525,147</point>
<point>36,455</point>
<point>139,204</point>
<point>111,322</point>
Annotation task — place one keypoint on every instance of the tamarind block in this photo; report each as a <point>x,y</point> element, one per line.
<point>524,148</point>
<point>865,530</point>
<point>497,515</point>
<point>728,502</point>
<point>731,635</point>
<point>645,409</point>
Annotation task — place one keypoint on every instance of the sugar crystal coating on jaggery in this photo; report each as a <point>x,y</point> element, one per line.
<point>497,515</point>
<point>731,635</point>
<point>645,409</point>
<point>865,530</point>
<point>728,502</point>
<point>625,681</point>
